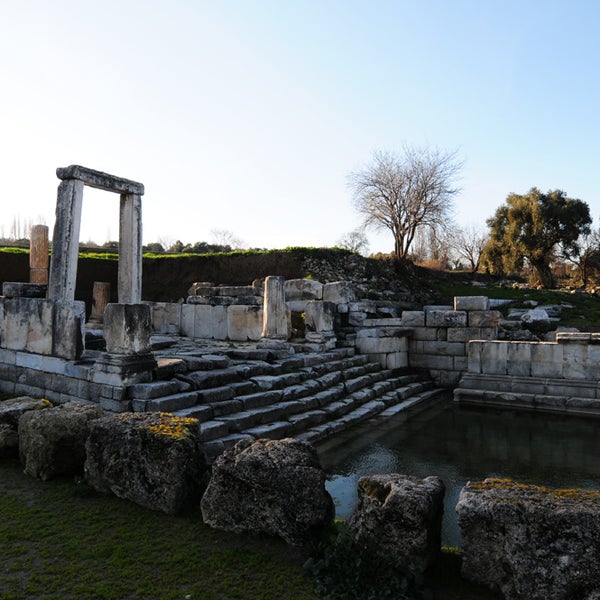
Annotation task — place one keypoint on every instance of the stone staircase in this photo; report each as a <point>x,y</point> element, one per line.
<point>250,394</point>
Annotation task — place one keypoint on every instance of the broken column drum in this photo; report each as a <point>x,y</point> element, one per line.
<point>38,254</point>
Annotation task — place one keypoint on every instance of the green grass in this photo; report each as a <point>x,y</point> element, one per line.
<point>62,540</point>
<point>584,314</point>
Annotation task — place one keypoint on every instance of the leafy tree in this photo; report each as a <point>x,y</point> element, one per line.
<point>405,193</point>
<point>586,258</point>
<point>533,227</point>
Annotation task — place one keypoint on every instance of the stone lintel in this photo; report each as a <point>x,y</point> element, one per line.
<point>100,180</point>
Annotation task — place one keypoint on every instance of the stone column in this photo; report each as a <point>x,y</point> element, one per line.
<point>130,249</point>
<point>100,298</point>
<point>65,241</point>
<point>39,258</point>
<point>275,324</point>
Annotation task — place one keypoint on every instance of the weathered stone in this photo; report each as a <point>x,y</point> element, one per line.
<point>272,487</point>
<point>530,542</point>
<point>28,325</point>
<point>127,328</point>
<point>320,316</point>
<point>210,322</point>
<point>69,330</point>
<point>9,441</point>
<point>477,303</point>
<point>52,441</point>
<point>413,318</point>
<point>12,289</point>
<point>244,322</point>
<point>303,289</point>
<point>339,292</point>
<point>100,180</point>
<point>484,318</point>
<point>276,321</point>
<point>152,459</point>
<point>446,318</point>
<point>400,518</point>
<point>12,409</point>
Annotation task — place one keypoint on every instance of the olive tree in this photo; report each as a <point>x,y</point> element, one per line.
<point>407,192</point>
<point>533,227</point>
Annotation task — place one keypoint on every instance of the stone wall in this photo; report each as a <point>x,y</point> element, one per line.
<point>559,376</point>
<point>440,335</point>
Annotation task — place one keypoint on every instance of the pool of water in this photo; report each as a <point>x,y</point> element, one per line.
<point>461,444</point>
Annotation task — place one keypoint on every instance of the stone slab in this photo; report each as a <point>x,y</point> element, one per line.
<point>100,180</point>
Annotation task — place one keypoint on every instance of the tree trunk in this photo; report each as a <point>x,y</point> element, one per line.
<point>543,274</point>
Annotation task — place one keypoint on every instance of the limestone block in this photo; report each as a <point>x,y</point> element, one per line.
<point>413,318</point>
<point>431,361</point>
<point>166,317</point>
<point>430,334</point>
<point>188,317</point>
<point>52,441</point>
<point>210,322</point>
<point>400,517</point>
<point>466,334</point>
<point>339,292</point>
<point>152,459</point>
<point>461,363</point>
<point>494,356</point>
<point>18,289</point>
<point>518,360</point>
<point>274,487</point>
<point>444,348</point>
<point>69,329</point>
<point>127,328</point>
<point>563,337</point>
<point>244,322</point>
<point>297,305</point>
<point>276,314</point>
<point>320,316</point>
<point>547,360</point>
<point>476,303</point>
<point>357,319</point>
<point>446,318</point>
<point>13,409</point>
<point>481,318</point>
<point>396,360</point>
<point>474,349</point>
<point>530,542</point>
<point>381,345</point>
<point>366,306</point>
<point>576,363</point>
<point>303,289</point>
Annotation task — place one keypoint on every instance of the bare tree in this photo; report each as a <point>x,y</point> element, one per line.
<point>355,241</point>
<point>468,243</point>
<point>224,237</point>
<point>407,192</point>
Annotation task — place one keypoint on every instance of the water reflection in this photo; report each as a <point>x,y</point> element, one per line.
<point>460,444</point>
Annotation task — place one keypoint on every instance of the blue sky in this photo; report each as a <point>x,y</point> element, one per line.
<point>249,115</point>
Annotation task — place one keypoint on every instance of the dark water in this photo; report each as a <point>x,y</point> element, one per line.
<point>461,444</point>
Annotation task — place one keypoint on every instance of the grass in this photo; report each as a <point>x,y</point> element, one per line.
<point>62,540</point>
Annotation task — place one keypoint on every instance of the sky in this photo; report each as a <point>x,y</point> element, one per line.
<point>249,115</point>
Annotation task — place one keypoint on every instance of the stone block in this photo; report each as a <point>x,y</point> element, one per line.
<point>52,441</point>
<point>494,356</point>
<point>431,361</point>
<point>188,320</point>
<point>381,345</point>
<point>356,319</point>
<point>244,322</point>
<point>446,318</point>
<point>28,325</point>
<point>530,542</point>
<point>400,517</point>
<point>461,363</point>
<point>576,364</point>
<point>413,318</point>
<point>366,306</point>
<point>319,316</point>
<point>12,289</point>
<point>127,328</point>
<point>166,317</point>
<point>518,359</point>
<point>430,334</point>
<point>303,289</point>
<point>487,318</point>
<point>444,348</point>
<point>396,360</point>
<point>546,360</point>
<point>210,322</point>
<point>13,409</point>
<point>38,362</point>
<point>69,330</point>
<point>297,305</point>
<point>274,487</point>
<point>466,334</point>
<point>339,292</point>
<point>563,337</point>
<point>151,459</point>
<point>476,303</point>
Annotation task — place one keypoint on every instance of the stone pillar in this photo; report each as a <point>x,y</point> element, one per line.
<point>65,241</point>
<point>38,254</point>
<point>275,323</point>
<point>130,249</point>
<point>100,299</point>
